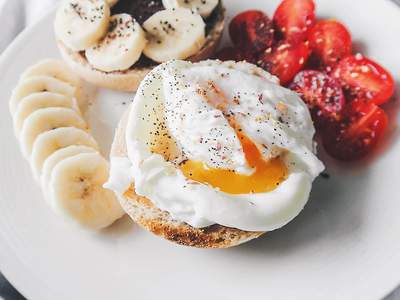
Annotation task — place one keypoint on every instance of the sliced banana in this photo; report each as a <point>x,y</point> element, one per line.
<point>202,7</point>
<point>77,193</point>
<point>35,101</point>
<point>58,156</point>
<point>174,34</point>
<point>39,84</point>
<point>80,24</point>
<point>51,141</point>
<point>54,68</point>
<point>111,3</point>
<point>46,119</point>
<point>122,46</point>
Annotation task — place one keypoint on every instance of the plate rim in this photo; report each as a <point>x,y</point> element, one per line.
<point>9,261</point>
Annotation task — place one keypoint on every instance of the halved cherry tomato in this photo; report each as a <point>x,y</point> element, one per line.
<point>330,41</point>
<point>252,30</point>
<point>285,60</point>
<point>235,54</point>
<point>229,53</point>
<point>364,79</point>
<point>294,18</point>
<point>361,128</point>
<point>322,94</point>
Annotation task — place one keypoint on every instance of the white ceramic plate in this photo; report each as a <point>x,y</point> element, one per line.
<point>345,245</point>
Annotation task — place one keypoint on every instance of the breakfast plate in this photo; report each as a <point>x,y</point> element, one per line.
<point>344,245</point>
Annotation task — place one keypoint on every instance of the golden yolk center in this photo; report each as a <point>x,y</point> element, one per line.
<point>267,175</point>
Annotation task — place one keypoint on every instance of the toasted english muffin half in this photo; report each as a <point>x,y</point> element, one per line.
<point>159,222</point>
<point>129,80</point>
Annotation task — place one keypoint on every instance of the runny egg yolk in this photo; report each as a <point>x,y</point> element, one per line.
<point>267,175</point>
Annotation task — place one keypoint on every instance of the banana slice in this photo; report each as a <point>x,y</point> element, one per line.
<point>174,34</point>
<point>58,156</point>
<point>77,193</point>
<point>80,24</point>
<point>202,7</point>
<point>111,3</point>
<point>49,142</point>
<point>121,47</point>
<point>36,101</point>
<point>53,68</point>
<point>46,119</point>
<point>39,84</point>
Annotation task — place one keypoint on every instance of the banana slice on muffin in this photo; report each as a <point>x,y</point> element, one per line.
<point>80,24</point>
<point>203,7</point>
<point>140,34</point>
<point>174,34</point>
<point>121,47</point>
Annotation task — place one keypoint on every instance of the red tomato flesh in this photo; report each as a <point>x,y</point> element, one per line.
<point>330,41</point>
<point>322,94</point>
<point>294,18</point>
<point>364,79</point>
<point>285,60</point>
<point>357,134</point>
<point>235,54</point>
<point>252,30</point>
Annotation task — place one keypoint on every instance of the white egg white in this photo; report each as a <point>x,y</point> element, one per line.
<point>169,108</point>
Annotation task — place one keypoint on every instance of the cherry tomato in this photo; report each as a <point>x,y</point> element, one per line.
<point>252,30</point>
<point>359,131</point>
<point>330,41</point>
<point>322,94</point>
<point>364,79</point>
<point>285,60</point>
<point>294,18</point>
<point>228,53</point>
<point>235,54</point>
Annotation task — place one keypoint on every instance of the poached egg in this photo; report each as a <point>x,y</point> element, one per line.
<point>219,142</point>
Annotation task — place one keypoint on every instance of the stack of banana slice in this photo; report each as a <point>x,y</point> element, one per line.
<point>63,155</point>
<point>115,43</point>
